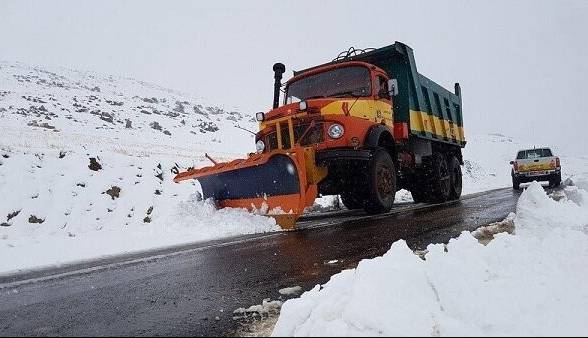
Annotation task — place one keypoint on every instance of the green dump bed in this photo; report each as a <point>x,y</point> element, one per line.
<point>431,111</point>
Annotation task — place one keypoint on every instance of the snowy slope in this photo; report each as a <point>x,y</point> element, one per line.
<point>90,108</point>
<point>57,206</point>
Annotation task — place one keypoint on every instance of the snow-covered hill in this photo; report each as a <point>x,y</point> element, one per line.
<point>86,162</point>
<point>88,108</point>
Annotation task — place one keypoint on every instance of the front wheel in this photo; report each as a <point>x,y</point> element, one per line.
<point>381,183</point>
<point>352,200</point>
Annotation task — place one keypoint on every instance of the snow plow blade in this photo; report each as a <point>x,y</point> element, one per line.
<point>280,184</point>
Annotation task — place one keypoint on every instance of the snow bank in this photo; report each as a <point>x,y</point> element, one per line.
<point>529,283</point>
<point>55,210</point>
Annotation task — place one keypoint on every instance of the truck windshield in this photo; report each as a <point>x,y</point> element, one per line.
<point>533,153</point>
<point>348,81</point>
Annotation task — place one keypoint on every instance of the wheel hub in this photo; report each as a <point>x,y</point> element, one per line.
<point>385,182</point>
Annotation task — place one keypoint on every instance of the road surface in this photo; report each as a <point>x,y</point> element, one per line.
<point>193,290</point>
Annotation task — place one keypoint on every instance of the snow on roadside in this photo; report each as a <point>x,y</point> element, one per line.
<point>530,283</point>
<point>55,210</point>
<point>294,290</point>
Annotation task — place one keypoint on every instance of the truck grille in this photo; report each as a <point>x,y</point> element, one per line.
<point>315,135</point>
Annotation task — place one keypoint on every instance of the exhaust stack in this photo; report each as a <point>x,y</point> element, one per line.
<point>279,69</point>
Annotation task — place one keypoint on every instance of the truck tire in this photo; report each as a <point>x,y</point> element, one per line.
<point>381,183</point>
<point>455,178</point>
<point>439,183</point>
<point>516,185</point>
<point>419,195</point>
<point>352,200</point>
<point>555,181</point>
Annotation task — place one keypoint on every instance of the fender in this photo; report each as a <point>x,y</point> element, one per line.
<point>373,137</point>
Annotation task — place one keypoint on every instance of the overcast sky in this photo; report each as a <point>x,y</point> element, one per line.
<point>523,65</point>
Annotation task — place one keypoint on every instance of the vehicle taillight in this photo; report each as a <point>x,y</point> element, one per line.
<point>557,165</point>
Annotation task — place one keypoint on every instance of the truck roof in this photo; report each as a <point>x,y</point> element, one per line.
<point>536,148</point>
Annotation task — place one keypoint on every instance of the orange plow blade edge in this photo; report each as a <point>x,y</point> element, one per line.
<point>281,184</point>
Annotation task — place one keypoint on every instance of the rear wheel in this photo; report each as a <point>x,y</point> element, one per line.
<point>516,185</point>
<point>381,183</point>
<point>418,195</point>
<point>433,181</point>
<point>440,179</point>
<point>555,181</point>
<point>455,178</point>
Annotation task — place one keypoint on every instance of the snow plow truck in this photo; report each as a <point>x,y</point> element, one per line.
<point>362,126</point>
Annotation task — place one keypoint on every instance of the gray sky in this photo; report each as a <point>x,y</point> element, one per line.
<point>523,65</point>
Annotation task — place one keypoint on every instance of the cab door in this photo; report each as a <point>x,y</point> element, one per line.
<point>383,101</point>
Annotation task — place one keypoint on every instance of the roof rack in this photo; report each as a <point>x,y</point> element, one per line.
<point>352,51</point>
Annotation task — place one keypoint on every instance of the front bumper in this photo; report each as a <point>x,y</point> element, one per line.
<point>333,155</point>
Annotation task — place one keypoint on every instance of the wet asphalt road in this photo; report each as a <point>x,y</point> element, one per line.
<point>192,290</point>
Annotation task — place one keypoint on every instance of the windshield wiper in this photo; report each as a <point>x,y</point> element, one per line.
<point>347,93</point>
<point>315,97</point>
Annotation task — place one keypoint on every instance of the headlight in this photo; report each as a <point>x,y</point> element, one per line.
<point>303,106</point>
<point>336,131</point>
<point>260,146</point>
<point>260,116</point>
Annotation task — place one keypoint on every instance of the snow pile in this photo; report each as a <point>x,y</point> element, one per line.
<point>486,233</point>
<point>266,308</point>
<point>529,283</point>
<point>295,290</point>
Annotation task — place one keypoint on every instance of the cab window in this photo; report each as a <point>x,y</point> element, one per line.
<point>382,89</point>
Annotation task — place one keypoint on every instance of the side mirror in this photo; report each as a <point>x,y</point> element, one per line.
<point>393,85</point>
<point>511,162</point>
